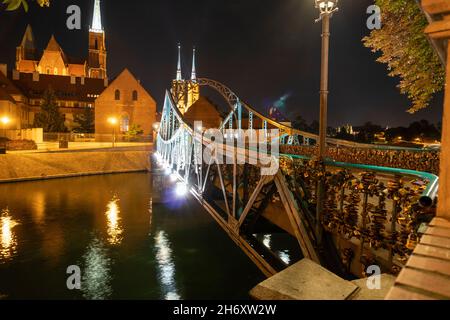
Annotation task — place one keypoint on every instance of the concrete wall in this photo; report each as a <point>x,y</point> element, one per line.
<point>36,134</point>
<point>35,166</point>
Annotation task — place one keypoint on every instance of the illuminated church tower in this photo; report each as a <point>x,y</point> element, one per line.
<point>185,92</point>
<point>97,48</point>
<point>178,86</point>
<point>193,88</point>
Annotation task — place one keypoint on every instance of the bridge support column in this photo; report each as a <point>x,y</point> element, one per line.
<point>440,31</point>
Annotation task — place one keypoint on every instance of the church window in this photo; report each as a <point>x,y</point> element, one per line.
<point>96,44</point>
<point>55,71</point>
<point>117,95</point>
<point>135,95</point>
<point>124,123</point>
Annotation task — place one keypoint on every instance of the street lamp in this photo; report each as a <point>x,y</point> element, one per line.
<point>326,9</point>
<point>5,120</point>
<point>113,122</point>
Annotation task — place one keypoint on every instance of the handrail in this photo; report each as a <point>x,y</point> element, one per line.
<point>427,198</point>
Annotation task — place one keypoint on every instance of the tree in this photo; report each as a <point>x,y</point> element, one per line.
<point>407,52</point>
<point>300,124</point>
<point>49,118</point>
<point>12,5</point>
<point>134,131</point>
<point>85,121</point>
<point>366,133</point>
<point>314,127</point>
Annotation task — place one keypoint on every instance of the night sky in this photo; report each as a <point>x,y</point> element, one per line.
<point>261,49</point>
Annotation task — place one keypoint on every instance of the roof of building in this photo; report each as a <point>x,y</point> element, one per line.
<point>4,96</point>
<point>204,110</point>
<point>62,86</point>
<point>9,86</point>
<point>53,45</point>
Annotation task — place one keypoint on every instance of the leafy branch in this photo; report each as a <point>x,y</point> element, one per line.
<point>12,5</point>
<point>406,51</point>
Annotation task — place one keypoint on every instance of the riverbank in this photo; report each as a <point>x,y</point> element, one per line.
<point>16,167</point>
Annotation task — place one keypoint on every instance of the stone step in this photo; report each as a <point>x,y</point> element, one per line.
<point>364,293</point>
<point>305,280</point>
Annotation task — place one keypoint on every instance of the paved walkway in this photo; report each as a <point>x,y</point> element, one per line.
<point>86,146</point>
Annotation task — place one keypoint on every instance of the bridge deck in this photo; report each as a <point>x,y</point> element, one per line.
<point>427,273</point>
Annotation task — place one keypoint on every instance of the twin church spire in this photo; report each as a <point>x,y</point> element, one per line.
<point>179,73</point>
<point>185,92</point>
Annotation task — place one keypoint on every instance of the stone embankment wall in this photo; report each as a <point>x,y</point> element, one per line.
<point>36,166</point>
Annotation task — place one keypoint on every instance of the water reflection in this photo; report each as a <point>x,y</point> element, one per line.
<point>8,244</point>
<point>284,255</point>
<point>266,240</point>
<point>114,227</point>
<point>166,267</point>
<point>96,284</point>
<point>38,205</point>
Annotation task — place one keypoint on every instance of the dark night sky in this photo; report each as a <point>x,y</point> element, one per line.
<point>261,49</point>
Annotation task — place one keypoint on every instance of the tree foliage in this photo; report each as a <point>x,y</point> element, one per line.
<point>49,118</point>
<point>12,5</point>
<point>407,52</point>
<point>85,121</point>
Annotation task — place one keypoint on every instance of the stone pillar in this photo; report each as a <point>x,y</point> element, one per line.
<point>439,31</point>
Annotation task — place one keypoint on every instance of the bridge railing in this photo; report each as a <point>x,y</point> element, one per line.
<point>376,214</point>
<point>373,213</point>
<point>417,160</point>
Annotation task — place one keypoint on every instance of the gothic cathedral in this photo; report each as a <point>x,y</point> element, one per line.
<point>185,92</point>
<point>54,61</point>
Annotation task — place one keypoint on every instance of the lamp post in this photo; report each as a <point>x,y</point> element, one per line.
<point>326,9</point>
<point>113,121</point>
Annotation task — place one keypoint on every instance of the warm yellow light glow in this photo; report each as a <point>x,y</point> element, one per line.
<point>8,239</point>
<point>113,120</point>
<point>114,228</point>
<point>156,126</point>
<point>5,120</point>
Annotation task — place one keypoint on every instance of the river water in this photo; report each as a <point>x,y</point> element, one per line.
<point>125,246</point>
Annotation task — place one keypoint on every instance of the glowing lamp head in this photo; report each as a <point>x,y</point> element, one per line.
<point>181,189</point>
<point>156,126</point>
<point>326,6</point>
<point>173,177</point>
<point>5,120</point>
<point>112,121</point>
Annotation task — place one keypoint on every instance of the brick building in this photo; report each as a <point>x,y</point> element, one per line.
<point>127,101</point>
<point>77,83</point>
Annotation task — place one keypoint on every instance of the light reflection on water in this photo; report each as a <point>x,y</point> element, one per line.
<point>166,266</point>
<point>130,246</point>
<point>96,283</point>
<point>8,239</point>
<point>114,228</point>
<point>284,255</point>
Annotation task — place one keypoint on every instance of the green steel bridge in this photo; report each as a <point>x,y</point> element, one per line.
<point>364,215</point>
